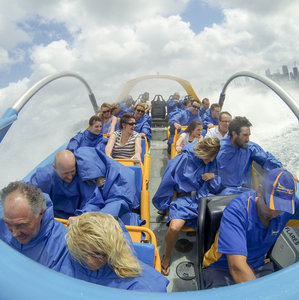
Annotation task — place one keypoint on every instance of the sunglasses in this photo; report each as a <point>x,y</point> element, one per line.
<point>196,107</point>
<point>105,111</point>
<point>140,111</point>
<point>131,123</point>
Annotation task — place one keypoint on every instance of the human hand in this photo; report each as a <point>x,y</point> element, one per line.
<point>207,176</point>
<point>177,126</point>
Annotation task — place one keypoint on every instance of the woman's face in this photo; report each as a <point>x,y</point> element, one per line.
<point>197,131</point>
<point>96,127</point>
<point>106,112</point>
<point>139,112</point>
<point>130,125</point>
<point>209,159</point>
<point>95,260</point>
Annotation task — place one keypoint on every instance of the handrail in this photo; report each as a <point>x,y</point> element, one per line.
<point>46,80</point>
<point>289,101</point>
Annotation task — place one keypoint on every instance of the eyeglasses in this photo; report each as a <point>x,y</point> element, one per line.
<point>97,255</point>
<point>196,107</point>
<point>140,111</point>
<point>105,111</point>
<point>131,123</point>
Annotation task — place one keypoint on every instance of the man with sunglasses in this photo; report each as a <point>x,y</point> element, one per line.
<point>183,118</point>
<point>250,225</point>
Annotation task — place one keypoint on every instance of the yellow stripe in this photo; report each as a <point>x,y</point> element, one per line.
<point>248,201</point>
<point>212,255</point>
<point>293,223</point>
<point>273,191</point>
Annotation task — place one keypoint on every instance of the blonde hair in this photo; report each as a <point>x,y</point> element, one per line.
<point>207,148</point>
<point>140,104</point>
<point>103,233</point>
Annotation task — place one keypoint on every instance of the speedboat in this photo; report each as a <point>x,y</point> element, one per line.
<point>22,278</point>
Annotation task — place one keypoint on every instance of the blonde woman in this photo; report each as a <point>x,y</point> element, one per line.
<point>192,175</point>
<point>108,120</point>
<point>103,256</point>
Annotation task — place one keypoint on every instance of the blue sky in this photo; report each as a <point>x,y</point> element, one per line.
<point>201,15</point>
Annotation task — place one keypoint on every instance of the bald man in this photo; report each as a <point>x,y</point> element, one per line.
<point>70,195</point>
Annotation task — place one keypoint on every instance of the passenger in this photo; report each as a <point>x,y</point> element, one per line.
<point>108,120</point>
<point>145,99</point>
<point>69,194</point>
<point>236,156</point>
<point>221,130</point>
<point>115,182</point>
<point>125,143</point>
<point>204,108</point>
<point>183,118</point>
<point>143,124</point>
<point>120,109</point>
<point>90,137</point>
<point>174,105</point>
<point>192,134</point>
<point>129,102</point>
<point>210,118</point>
<point>250,225</point>
<point>101,255</point>
<point>192,175</point>
<point>187,102</point>
<point>28,225</point>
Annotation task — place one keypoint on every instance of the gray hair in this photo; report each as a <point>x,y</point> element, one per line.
<point>34,195</point>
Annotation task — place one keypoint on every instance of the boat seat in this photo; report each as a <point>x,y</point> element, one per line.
<point>146,251</point>
<point>158,109</point>
<point>208,222</point>
<point>141,185</point>
<point>177,134</point>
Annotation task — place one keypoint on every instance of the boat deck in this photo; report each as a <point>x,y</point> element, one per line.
<point>159,159</point>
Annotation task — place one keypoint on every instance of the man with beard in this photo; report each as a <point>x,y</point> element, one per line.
<point>236,156</point>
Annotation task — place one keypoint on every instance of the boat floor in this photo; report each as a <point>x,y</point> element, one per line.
<point>159,159</point>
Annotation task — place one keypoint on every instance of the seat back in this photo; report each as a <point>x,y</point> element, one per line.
<point>146,252</point>
<point>209,218</point>
<point>158,109</point>
<point>177,134</point>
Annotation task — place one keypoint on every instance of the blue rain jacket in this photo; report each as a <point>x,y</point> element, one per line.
<point>149,281</point>
<point>48,247</point>
<point>143,126</point>
<point>208,119</point>
<point>118,192</point>
<point>173,107</point>
<point>183,175</point>
<point>86,138</point>
<point>69,199</point>
<point>184,118</point>
<point>123,109</point>
<point>202,112</point>
<point>235,163</point>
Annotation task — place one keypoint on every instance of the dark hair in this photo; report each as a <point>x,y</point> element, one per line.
<point>214,105</point>
<point>224,113</point>
<point>34,195</point>
<point>236,124</point>
<point>192,126</point>
<point>94,119</point>
<point>205,99</point>
<point>195,100</point>
<point>125,119</point>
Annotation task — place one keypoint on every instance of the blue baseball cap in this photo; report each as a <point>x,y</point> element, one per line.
<point>280,190</point>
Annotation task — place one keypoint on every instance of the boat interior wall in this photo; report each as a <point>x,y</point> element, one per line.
<point>6,121</point>
<point>209,217</point>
